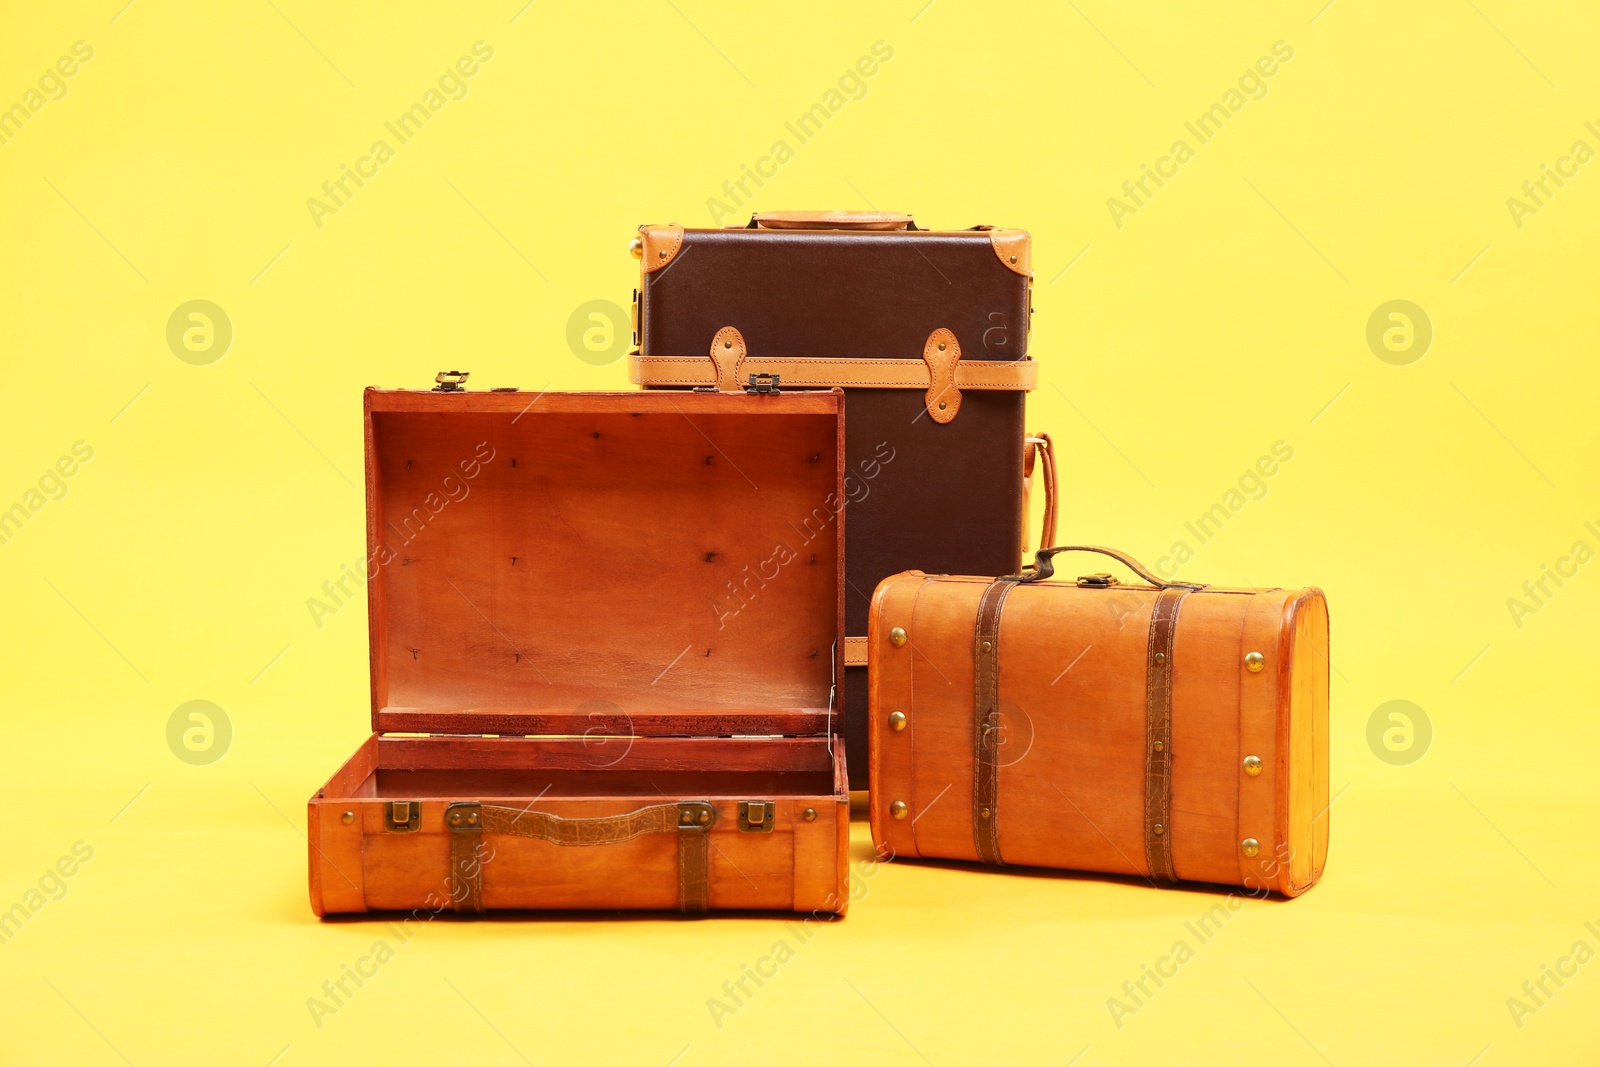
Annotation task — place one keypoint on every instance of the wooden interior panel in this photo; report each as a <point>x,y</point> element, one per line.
<point>603,556</point>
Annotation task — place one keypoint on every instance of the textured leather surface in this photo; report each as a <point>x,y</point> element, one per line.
<point>694,851</point>
<point>986,722</point>
<point>1158,734</point>
<point>875,295</point>
<point>820,372</point>
<point>1081,698</point>
<point>940,353</point>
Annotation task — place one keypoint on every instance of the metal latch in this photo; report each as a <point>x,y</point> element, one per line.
<point>451,381</point>
<point>1098,581</point>
<point>763,383</point>
<point>402,816</point>
<point>756,816</point>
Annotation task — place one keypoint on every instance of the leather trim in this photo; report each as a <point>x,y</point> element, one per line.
<point>694,869</point>
<point>986,722</point>
<point>941,353</point>
<point>661,244</point>
<point>815,372</point>
<point>727,352</point>
<point>1014,249</point>
<point>830,220</point>
<point>855,652</point>
<point>466,870</point>
<point>1158,734</point>
<point>1260,716</point>
<point>1044,451</point>
<point>694,845</point>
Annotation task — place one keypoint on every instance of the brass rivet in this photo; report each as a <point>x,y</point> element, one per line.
<point>662,254</point>
<point>1013,259</point>
<point>705,817</point>
<point>941,346</point>
<point>897,720</point>
<point>809,815</point>
<point>1252,765</point>
<point>1254,661</point>
<point>1250,846</point>
<point>727,344</point>
<point>687,817</point>
<point>987,727</point>
<point>985,812</point>
<point>1158,829</point>
<point>455,818</point>
<point>897,636</point>
<point>942,405</point>
<point>1161,657</point>
<point>636,248</point>
<point>899,809</point>
<point>472,818</point>
<point>987,646</point>
<point>348,817</point>
<point>1160,746</point>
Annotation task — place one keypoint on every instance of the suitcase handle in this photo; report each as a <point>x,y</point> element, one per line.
<point>1042,567</point>
<point>830,220</point>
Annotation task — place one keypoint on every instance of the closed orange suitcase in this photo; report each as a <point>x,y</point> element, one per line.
<point>603,633</point>
<point>1170,731</point>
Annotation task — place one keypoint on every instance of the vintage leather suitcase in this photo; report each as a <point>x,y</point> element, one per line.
<point>927,331</point>
<point>611,620</point>
<point>1168,731</point>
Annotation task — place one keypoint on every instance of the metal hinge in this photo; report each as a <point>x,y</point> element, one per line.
<point>757,816</point>
<point>763,383</point>
<point>451,381</point>
<point>402,816</point>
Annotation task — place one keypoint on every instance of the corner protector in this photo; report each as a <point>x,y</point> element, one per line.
<point>1015,249</point>
<point>661,244</point>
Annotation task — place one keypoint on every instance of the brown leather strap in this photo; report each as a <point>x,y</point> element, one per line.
<point>466,869</point>
<point>1158,734</point>
<point>830,220</point>
<point>986,722</point>
<point>819,372</point>
<point>1043,568</point>
<point>690,820</point>
<point>1040,450</point>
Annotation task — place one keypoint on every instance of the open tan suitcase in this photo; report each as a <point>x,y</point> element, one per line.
<point>1170,731</point>
<point>603,634</point>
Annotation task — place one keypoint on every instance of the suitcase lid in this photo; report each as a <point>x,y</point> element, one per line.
<point>652,563</point>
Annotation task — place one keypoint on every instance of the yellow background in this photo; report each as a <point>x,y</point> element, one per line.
<point>1227,314</point>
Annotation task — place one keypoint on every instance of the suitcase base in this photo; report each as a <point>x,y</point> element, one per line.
<point>647,823</point>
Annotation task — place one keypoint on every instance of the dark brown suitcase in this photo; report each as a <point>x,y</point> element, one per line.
<point>926,331</point>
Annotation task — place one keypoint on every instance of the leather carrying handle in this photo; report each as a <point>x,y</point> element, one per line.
<point>601,830</point>
<point>831,220</point>
<point>1041,449</point>
<point>689,820</point>
<point>1043,568</point>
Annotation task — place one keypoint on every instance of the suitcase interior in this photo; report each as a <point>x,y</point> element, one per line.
<point>594,604</point>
